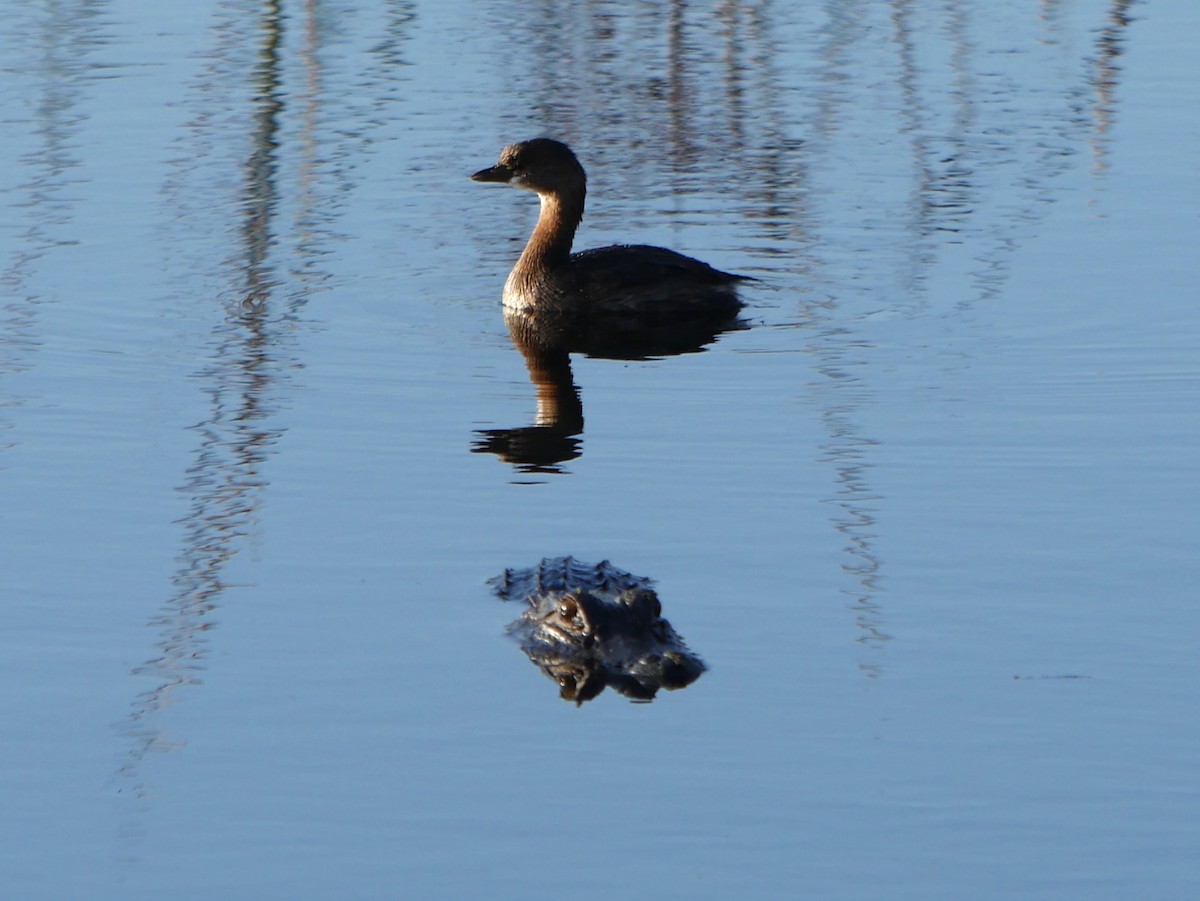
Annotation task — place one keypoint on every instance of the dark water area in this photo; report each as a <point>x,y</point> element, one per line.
<point>929,518</point>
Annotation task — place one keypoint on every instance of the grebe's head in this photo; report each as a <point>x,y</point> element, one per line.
<point>542,165</point>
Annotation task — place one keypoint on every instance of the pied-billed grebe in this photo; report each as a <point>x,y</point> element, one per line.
<point>625,279</point>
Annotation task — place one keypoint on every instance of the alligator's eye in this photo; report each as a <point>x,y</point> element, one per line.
<point>568,608</point>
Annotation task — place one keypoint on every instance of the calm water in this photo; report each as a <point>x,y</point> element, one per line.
<point>931,520</point>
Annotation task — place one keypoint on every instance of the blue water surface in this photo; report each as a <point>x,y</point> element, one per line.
<point>931,520</point>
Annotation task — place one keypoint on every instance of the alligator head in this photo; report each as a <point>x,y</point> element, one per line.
<point>592,627</point>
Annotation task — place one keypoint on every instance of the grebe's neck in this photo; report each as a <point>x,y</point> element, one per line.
<point>550,243</point>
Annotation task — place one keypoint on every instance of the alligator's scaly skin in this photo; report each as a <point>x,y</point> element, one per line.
<point>559,574</point>
<point>588,627</point>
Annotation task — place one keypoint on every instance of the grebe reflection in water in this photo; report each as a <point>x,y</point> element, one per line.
<point>546,340</point>
<point>554,436</point>
<point>622,281</point>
